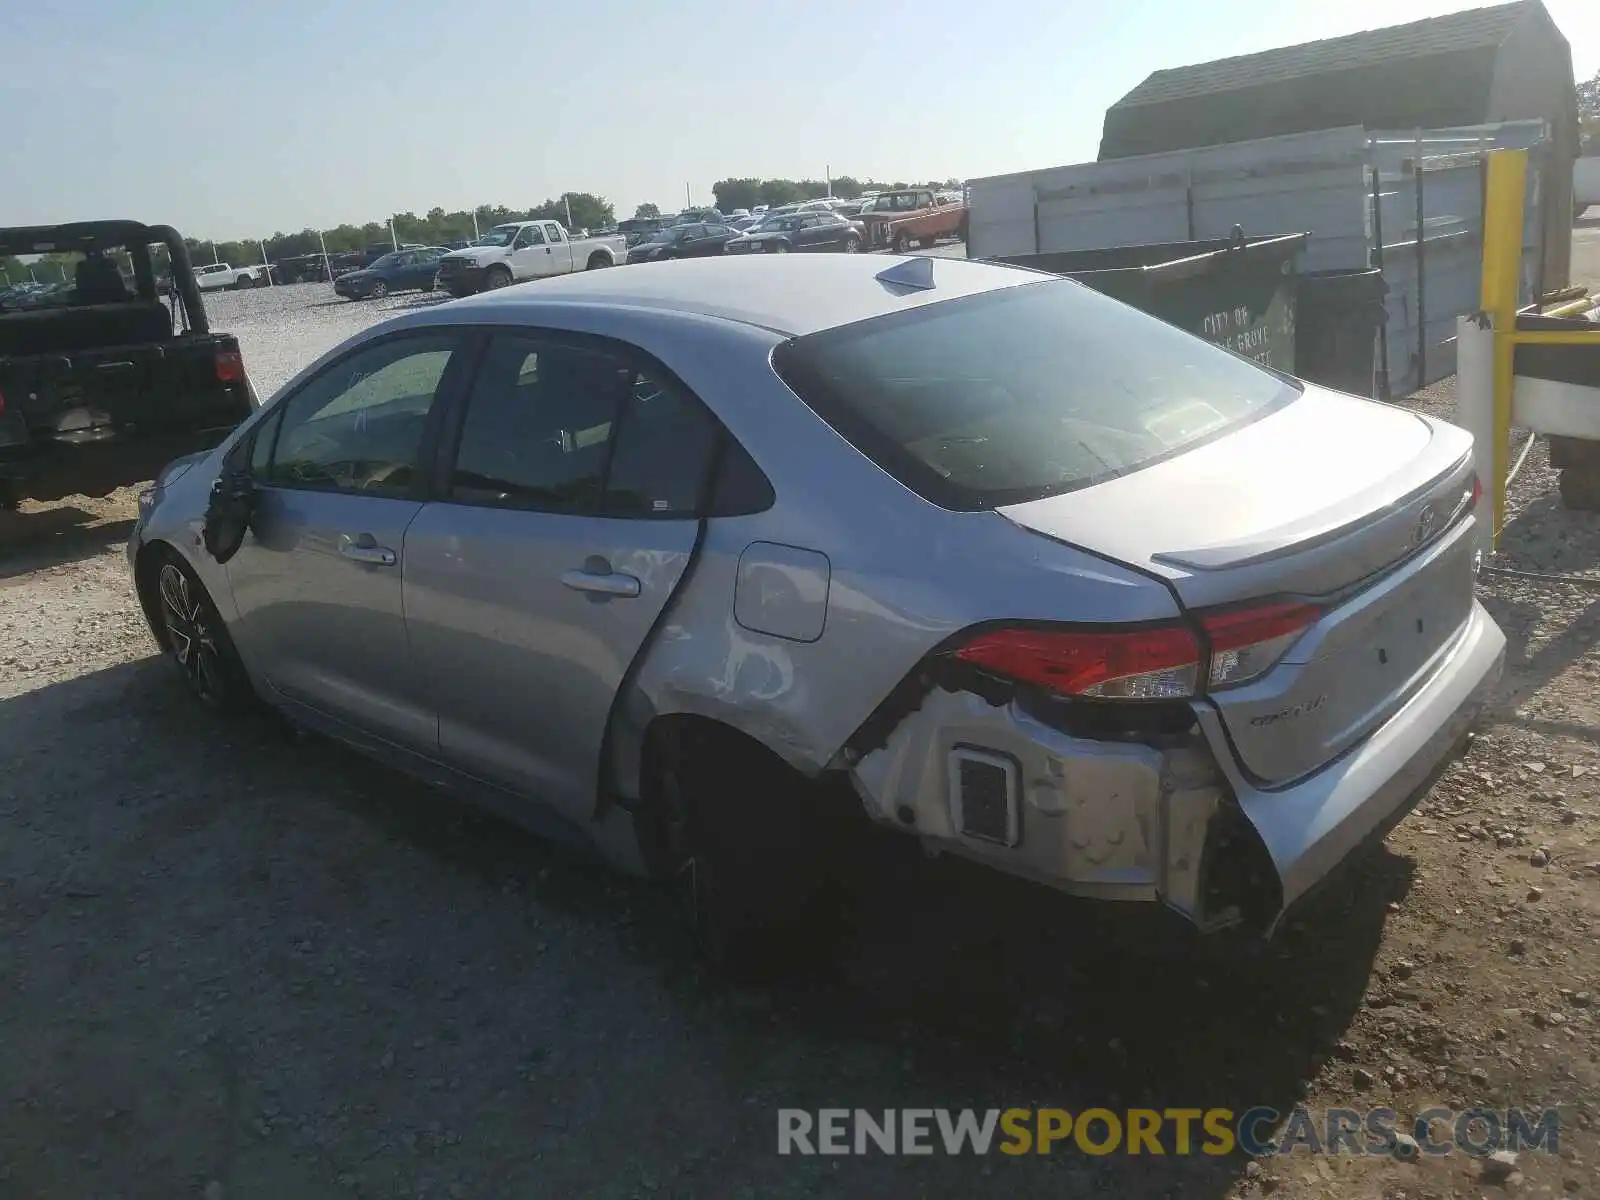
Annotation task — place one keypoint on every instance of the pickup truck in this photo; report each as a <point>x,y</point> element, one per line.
<point>897,220</point>
<point>522,250</point>
<point>101,383</point>
<point>214,277</point>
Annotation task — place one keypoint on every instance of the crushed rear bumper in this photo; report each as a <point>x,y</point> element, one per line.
<point>1311,826</point>
<point>1172,823</point>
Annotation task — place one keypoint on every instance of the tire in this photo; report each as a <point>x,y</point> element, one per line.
<point>780,247</point>
<point>194,637</point>
<point>927,243</point>
<point>733,831</point>
<point>852,245</point>
<point>898,243</point>
<point>598,262</point>
<point>244,283</point>
<point>497,276</point>
<point>378,291</point>
<point>427,287</point>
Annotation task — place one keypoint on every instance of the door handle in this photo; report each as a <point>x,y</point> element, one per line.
<point>603,583</point>
<point>364,548</point>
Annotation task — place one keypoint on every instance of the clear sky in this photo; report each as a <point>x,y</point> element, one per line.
<point>232,119</point>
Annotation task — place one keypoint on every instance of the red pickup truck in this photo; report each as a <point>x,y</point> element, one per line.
<point>913,216</point>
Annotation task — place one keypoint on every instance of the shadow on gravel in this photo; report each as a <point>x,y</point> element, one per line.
<point>426,300</point>
<point>422,300</point>
<point>55,536</point>
<point>951,987</point>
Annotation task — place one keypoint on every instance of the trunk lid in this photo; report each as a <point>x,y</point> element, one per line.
<point>1333,499</point>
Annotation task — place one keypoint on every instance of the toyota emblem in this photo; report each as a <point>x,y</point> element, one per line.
<point>1424,526</point>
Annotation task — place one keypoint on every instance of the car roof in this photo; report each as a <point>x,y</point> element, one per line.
<point>790,295</point>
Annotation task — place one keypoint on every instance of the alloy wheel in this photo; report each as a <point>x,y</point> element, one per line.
<point>190,636</point>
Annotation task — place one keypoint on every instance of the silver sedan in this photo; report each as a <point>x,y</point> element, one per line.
<point>655,559</point>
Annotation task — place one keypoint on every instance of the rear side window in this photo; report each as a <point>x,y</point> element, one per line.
<point>538,427</point>
<point>662,453</point>
<point>594,430</point>
<point>1023,392</point>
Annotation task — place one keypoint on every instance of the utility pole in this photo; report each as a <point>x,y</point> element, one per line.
<point>687,201</point>
<point>568,202</point>
<point>393,240</point>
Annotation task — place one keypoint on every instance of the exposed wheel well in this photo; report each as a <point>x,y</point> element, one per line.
<point>598,259</point>
<point>676,732</point>
<point>708,747</point>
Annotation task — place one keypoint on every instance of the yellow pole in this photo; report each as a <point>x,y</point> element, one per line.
<point>1505,183</point>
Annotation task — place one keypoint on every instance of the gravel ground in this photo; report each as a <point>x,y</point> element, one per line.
<point>240,964</point>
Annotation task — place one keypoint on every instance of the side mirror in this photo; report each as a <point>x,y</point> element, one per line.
<point>231,505</point>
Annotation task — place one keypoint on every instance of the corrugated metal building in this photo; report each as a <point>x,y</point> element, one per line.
<point>1486,65</point>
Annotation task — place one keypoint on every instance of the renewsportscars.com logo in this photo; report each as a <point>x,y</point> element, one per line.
<point>1178,1131</point>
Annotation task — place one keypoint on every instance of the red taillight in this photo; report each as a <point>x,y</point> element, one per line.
<point>1153,662</point>
<point>1148,662</point>
<point>230,366</point>
<point>1477,491</point>
<point>1245,642</point>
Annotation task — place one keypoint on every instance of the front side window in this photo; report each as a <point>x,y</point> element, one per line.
<point>263,439</point>
<point>358,426</point>
<point>1023,392</point>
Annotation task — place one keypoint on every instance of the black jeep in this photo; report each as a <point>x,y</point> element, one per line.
<point>101,381</point>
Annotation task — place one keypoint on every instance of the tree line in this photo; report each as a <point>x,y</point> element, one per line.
<point>1589,114</point>
<point>747,193</point>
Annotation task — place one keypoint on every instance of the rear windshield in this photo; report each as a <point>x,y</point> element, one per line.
<point>1023,392</point>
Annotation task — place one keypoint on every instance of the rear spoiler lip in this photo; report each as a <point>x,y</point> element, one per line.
<point>1316,530</point>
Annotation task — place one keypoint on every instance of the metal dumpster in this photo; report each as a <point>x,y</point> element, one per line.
<point>1238,292</point>
<point>1339,315</point>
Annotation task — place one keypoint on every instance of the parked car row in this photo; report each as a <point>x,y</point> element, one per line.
<point>814,231</point>
<point>521,250</point>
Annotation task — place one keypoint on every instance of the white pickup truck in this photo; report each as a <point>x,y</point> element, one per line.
<point>522,250</point>
<point>215,276</point>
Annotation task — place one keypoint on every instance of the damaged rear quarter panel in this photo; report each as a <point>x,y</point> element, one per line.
<point>903,576</point>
